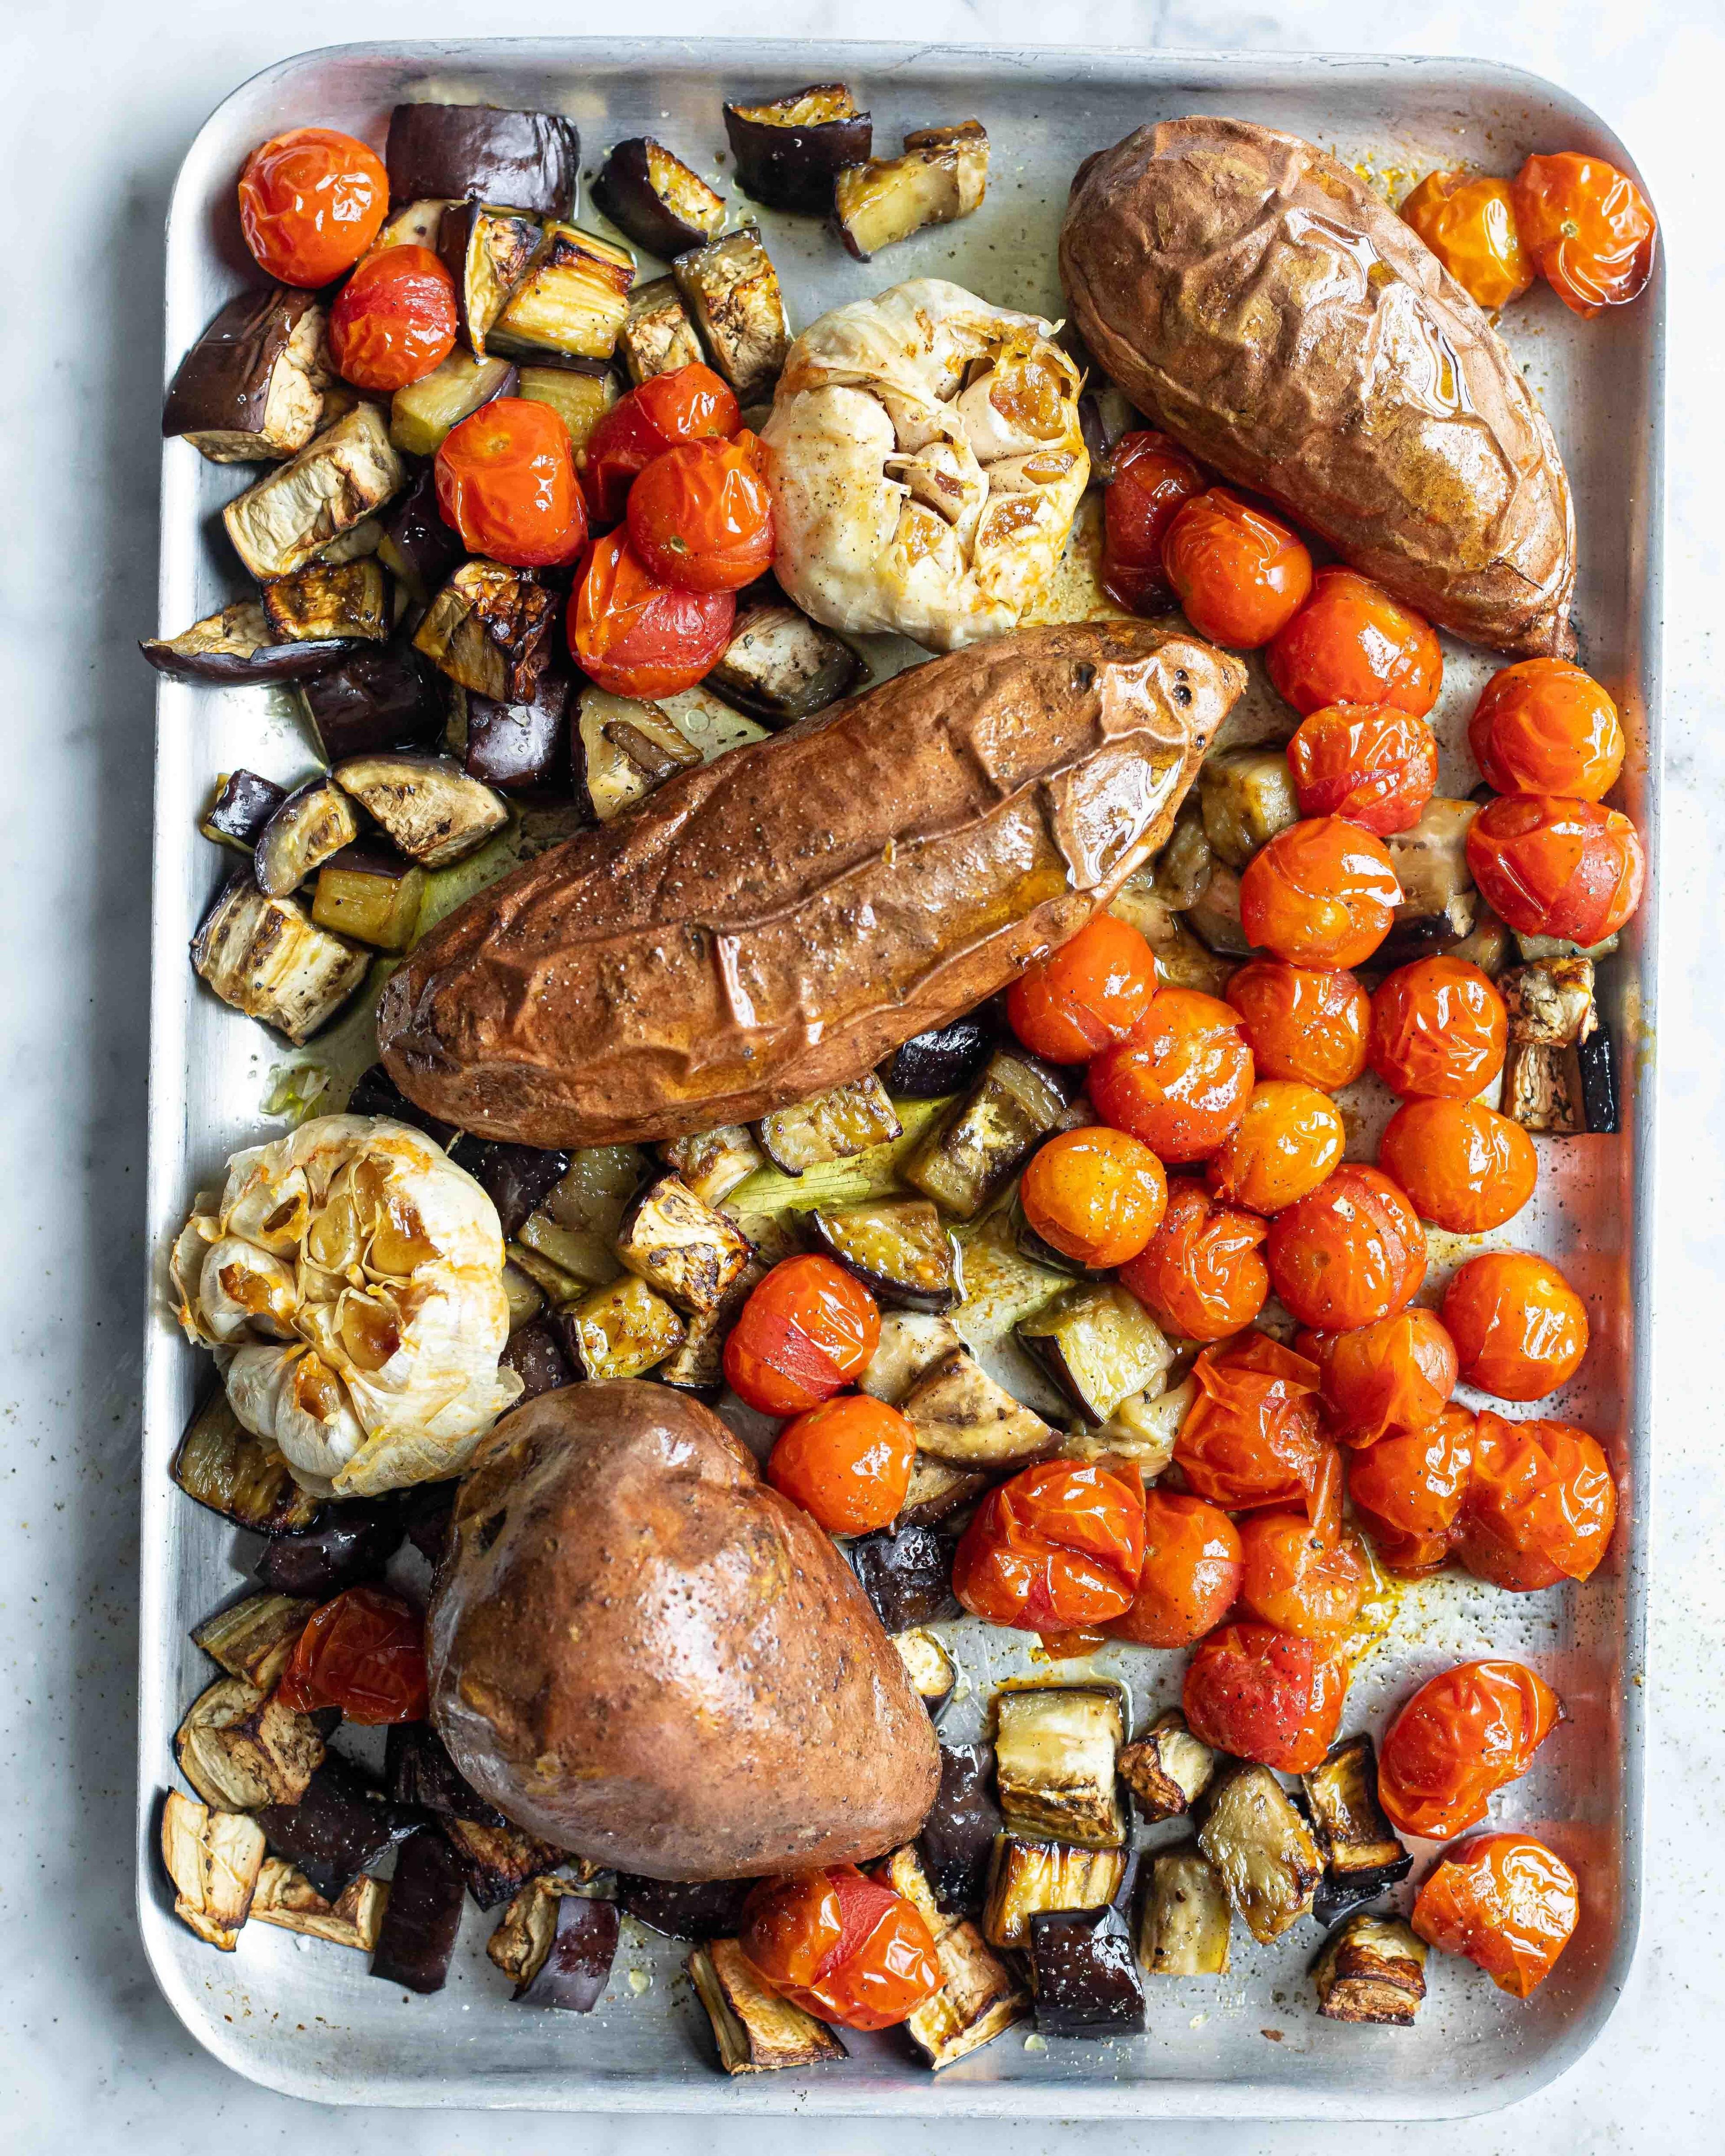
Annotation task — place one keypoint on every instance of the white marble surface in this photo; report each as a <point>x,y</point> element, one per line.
<point>102,101</point>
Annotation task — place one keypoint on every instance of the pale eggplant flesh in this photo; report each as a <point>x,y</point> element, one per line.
<point>267,957</point>
<point>342,475</point>
<point>427,805</point>
<point>657,336</point>
<point>898,1248</point>
<point>575,1967</point>
<point>734,298</point>
<point>655,200</point>
<point>313,825</point>
<point>237,646</point>
<point>790,150</point>
<point>221,1467</point>
<point>346,599</point>
<point>531,161</point>
<point>780,666</point>
<point>251,388</point>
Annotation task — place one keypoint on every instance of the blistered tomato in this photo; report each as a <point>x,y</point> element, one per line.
<point>1239,573</point>
<point>365,1653</point>
<point>1547,866</point>
<point>1505,1901</point>
<point>1304,1023</point>
<point>1281,1149</point>
<point>1348,1254</point>
<point>1470,225</point>
<point>1202,1274</point>
<point>1439,1030</point>
<point>1459,1740</point>
<point>691,404</point>
<point>847,1462</point>
<point>1087,995</point>
<point>1540,1507</point>
<point>394,319</point>
<point>1059,1548</point>
<point>506,482</point>
<point>636,636</point>
<point>806,1332</point>
<point>1096,1195</point>
<point>1465,1167</point>
<point>842,1947</point>
<point>1299,1576</point>
<point>1264,1695</point>
<point>311,202</point>
<point>1543,726</point>
<point>1408,1491</point>
<point>1588,227</point>
<point>1323,892</point>
<point>1153,478</point>
<point>1181,1079</point>
<point>1519,1327</point>
<point>1251,1437</point>
<point>1352,644</point>
<point>1378,768</point>
<point>700,515</point>
<point>1386,1379</point>
<point>1191,1572</point>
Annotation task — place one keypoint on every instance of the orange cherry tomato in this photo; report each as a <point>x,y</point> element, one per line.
<point>1378,767</point>
<point>1299,1578</point>
<point>842,1947</point>
<point>311,202</point>
<point>1547,866</point>
<point>1460,1738</point>
<point>1588,227</point>
<point>1543,726</point>
<point>506,482</point>
<point>847,1462</point>
<point>1540,1507</point>
<point>1096,1195</point>
<point>700,515</point>
<point>1352,644</point>
<point>1191,1573</point>
<point>1251,1437</point>
<point>1240,573</point>
<point>1153,478</point>
<point>806,1332</point>
<point>1470,225</point>
<point>1323,892</point>
<point>1408,1490</point>
<point>365,1653</point>
<point>394,320</point>
<point>1059,1548</point>
<point>1264,1695</point>
<point>636,636</point>
<point>1467,1168</point>
<point>1282,1147</point>
<point>1304,1023</point>
<point>1519,1327</point>
<point>1388,1379</point>
<point>1201,1275</point>
<point>1089,994</point>
<point>1505,1901</point>
<point>1348,1254</point>
<point>1180,1079</point>
<point>1439,1030</point>
<point>691,404</point>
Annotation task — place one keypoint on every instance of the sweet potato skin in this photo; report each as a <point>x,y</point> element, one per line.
<point>773,923</point>
<point>641,1651</point>
<point>1282,322</point>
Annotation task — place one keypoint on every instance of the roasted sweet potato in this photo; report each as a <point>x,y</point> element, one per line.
<point>1258,300</point>
<point>775,922</point>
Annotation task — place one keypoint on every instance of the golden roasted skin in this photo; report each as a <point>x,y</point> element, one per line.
<point>1281,322</point>
<point>772,924</point>
<point>641,1650</point>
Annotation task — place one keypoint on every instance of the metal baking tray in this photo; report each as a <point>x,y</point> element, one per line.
<point>307,2018</point>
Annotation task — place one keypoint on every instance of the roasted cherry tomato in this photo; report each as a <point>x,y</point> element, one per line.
<point>1551,867</point>
<point>1153,478</point>
<point>1352,644</point>
<point>1202,1274</point>
<point>394,319</point>
<point>1348,1254</point>
<point>1058,1548</point>
<point>1376,768</point>
<point>1300,1022</point>
<point>1282,1147</point>
<point>1191,1573</point>
<point>1386,1379</point>
<point>1467,1168</point>
<point>1504,1901</point>
<point>806,1332</point>
<point>365,1653</point>
<point>1323,892</point>
<point>1439,1030</point>
<point>841,1946</point>
<point>1588,227</point>
<point>1540,1507</point>
<point>636,636</point>
<point>1459,1740</point>
<point>506,482</point>
<point>1087,995</point>
<point>847,1462</point>
<point>1300,1577</point>
<point>1470,225</point>
<point>1519,1327</point>
<point>311,202</point>
<point>1240,573</point>
<point>1251,1437</point>
<point>700,516</point>
<point>1408,1491</point>
<point>1543,726</point>
<point>1264,1695</point>
<point>1180,1079</point>
<point>686,405</point>
<point>1096,1195</point>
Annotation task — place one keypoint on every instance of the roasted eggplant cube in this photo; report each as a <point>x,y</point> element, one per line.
<point>898,1247</point>
<point>622,750</point>
<point>1363,1852</point>
<point>907,1576</point>
<point>1263,1849</point>
<point>780,666</point>
<point>835,1124</point>
<point>1371,1968</point>
<point>497,1860</point>
<point>713,1163</point>
<point>223,1467</point>
<point>1100,1347</point>
<point>371,893</point>
<point>936,1492</point>
<point>423,1916</point>
<point>237,648</point>
<point>653,198</point>
<point>1596,1057</point>
<point>580,401</point>
<point>244,804</point>
<point>790,150</point>
<point>657,336</point>
<point>287,1898</point>
<point>1054,1752</point>
<point>343,474</point>
<point>978,1998</point>
<point>427,805</point>
<point>622,1331</point>
<point>490,628</point>
<point>1213,916</point>
<point>267,957</point>
<point>1550,1002</point>
<point>684,1909</point>
<point>213,1858</point>
<point>956,1841</point>
<point>909,1345</point>
<point>933,1674</point>
<point>375,700</point>
<point>510,745</point>
<point>1541,1089</point>
<point>420,416</point>
<point>312,825</point>
<point>530,159</point>
<point>1439,901</point>
<point>320,601</point>
<point>536,1356</point>
<point>485,248</point>
<point>942,175</point>
<point>1169,1769</point>
<point>732,294</point>
<point>929,1065</point>
<point>557,1946</point>
<point>518,1179</point>
<point>1143,1430</point>
<point>1017,1103</point>
<point>1026,1878</point>
<point>255,1638</point>
<point>418,1771</point>
<point>1083,1977</point>
<point>240,1749</point>
<point>251,388</point>
<point>343,1825</point>
<point>757,2031</point>
<point>353,1544</point>
<point>1185,1919</point>
<point>962,1415</point>
<point>1245,796</point>
<point>570,304</point>
<point>690,1252</point>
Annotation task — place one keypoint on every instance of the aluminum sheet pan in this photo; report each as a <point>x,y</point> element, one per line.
<point>306,2017</point>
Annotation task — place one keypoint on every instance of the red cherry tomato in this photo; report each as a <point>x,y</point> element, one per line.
<point>1540,1507</point>
<point>1153,478</point>
<point>1201,1275</point>
<point>365,1653</point>
<point>1095,1196</point>
<point>1348,1254</point>
<point>1321,893</point>
<point>1280,1150</point>
<point>1299,1577</point>
<point>1058,1548</point>
<point>1240,573</point>
<point>689,404</point>
<point>847,1462</point>
<point>1181,1079</point>
<point>1378,767</point>
<point>1543,726</point>
<point>1519,1327</point>
<point>1260,1694</point>
<point>1352,644</point>
<point>1588,227</point>
<point>311,202</point>
<point>394,319</point>
<point>506,482</point>
<point>1302,1023</point>
<point>1387,1379</point>
<point>1470,225</point>
<point>1190,1576</point>
<point>1550,867</point>
<point>806,1332</point>
<point>842,1947</point>
<point>1504,1901</point>
<point>1439,1030</point>
<point>1087,995</point>
<point>700,516</point>
<point>1251,1437</point>
<point>636,636</point>
<point>1458,1741</point>
<point>1408,1490</point>
<point>1465,1167</point>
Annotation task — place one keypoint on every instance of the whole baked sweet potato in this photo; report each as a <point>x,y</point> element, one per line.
<point>1285,324</point>
<point>641,1651</point>
<point>772,923</point>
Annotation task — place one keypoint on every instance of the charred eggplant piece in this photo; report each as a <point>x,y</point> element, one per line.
<point>1263,1849</point>
<point>1054,1752</point>
<point>226,1469</point>
<point>1541,1089</point>
<point>1100,1347</point>
<point>341,1826</point>
<point>418,1772</point>
<point>621,749</point>
<point>1245,796</point>
<point>714,1163</point>
<point>910,1346</point>
<point>580,401</point>
<point>933,1674</point>
<point>312,825</point>
<point>943,175</point>
<point>835,1124</point>
<point>791,150</point>
<point>929,1065</point>
<point>958,1837</point>
<point>371,893</point>
<point>213,1858</point>
<point>530,159</point>
<point>1363,1852</point>
<point>319,602</point>
<point>732,294</point>
<point>1438,900</point>
<point>1596,1057</point>
<point>699,1909</point>
<point>978,1996</point>
<point>653,198</point>
<point>237,646</point>
<point>556,1945</point>
<point>509,746</point>
<point>255,1639</point>
<point>251,388</point>
<point>427,805</point>
<point>497,1861</point>
<point>287,1898</point>
<point>1168,1770</point>
<point>757,2031</point>
<point>1551,1003</point>
<point>241,1750</point>
<point>518,1179</point>
<point>373,701</point>
<point>353,1544</point>
<point>622,1331</point>
<point>780,666</point>
<point>691,1253</point>
<point>343,474</point>
<point>570,304</point>
<point>423,1916</point>
<point>536,1359</point>
<point>265,957</point>
<point>422,414</point>
<point>1017,1102</point>
<point>1185,1918</point>
<point>1027,1878</point>
<point>657,336</point>
<point>577,1222</point>
<point>1213,916</point>
<point>1373,1968</point>
<point>907,1576</point>
<point>961,1415</point>
<point>376,1093</point>
<point>897,1247</point>
<point>486,248</point>
<point>418,548</point>
<point>1083,1977</point>
<point>244,804</point>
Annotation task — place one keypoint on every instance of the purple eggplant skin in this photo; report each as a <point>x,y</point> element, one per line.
<point>422,1914</point>
<point>511,745</point>
<point>241,810</point>
<point>376,1093</point>
<point>517,1178</point>
<point>702,1909</point>
<point>224,381</point>
<point>794,168</point>
<point>907,1576</point>
<point>342,1825</point>
<point>534,1355</point>
<point>624,191</point>
<point>427,1512</point>
<point>419,1771</point>
<point>390,696</point>
<point>355,1540</point>
<point>958,1835</point>
<point>267,663</point>
<point>528,161</point>
<point>574,1974</point>
<point>929,1065</point>
<point>1086,1977</point>
<point>422,549</point>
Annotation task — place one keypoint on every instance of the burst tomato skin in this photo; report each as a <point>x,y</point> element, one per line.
<point>700,515</point>
<point>1190,1575</point>
<point>806,1332</point>
<point>1519,1327</point>
<point>1095,1196</point>
<point>841,1945</point>
<point>311,201</point>
<point>1308,1024</point>
<point>1058,1548</point>
<point>1543,726</point>
<point>1153,478</point>
<point>1284,1145</point>
<point>365,1653</point>
<point>1351,1253</point>
<point>394,320</point>
<point>1504,1901</point>
<point>1408,1490</point>
<point>1547,866</point>
<point>1540,1505</point>
<point>1264,1695</point>
<point>1377,766</point>
<point>847,1463</point>
<point>1470,225</point>
<point>1386,1379</point>
<point>1589,229</point>
<point>1352,644</point>
<point>1299,1577</point>
<point>1251,1437</point>
<point>1439,1030</point>
<point>1323,892</point>
<point>1465,1167</point>
<point>1201,1275</point>
<point>1240,573</point>
<point>506,482</point>
<point>691,404</point>
<point>636,636</point>
<point>1087,995</point>
<point>1180,1079</point>
<point>1460,1737</point>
